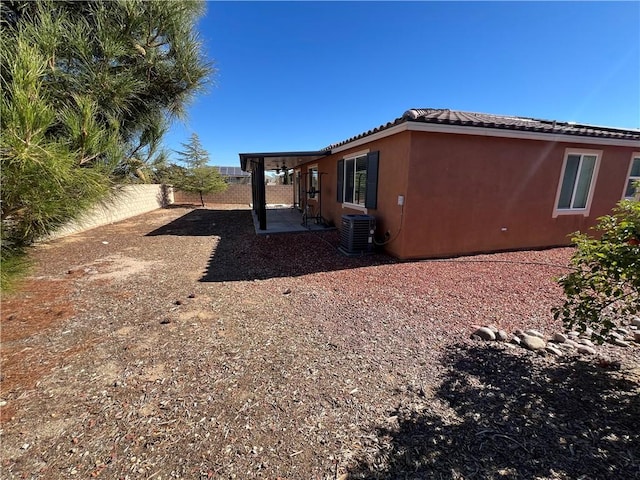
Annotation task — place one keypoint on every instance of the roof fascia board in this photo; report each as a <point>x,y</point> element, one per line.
<point>498,132</point>
<point>370,138</point>
<point>285,154</point>
<point>487,132</point>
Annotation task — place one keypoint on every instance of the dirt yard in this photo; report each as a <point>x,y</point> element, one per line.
<point>179,344</point>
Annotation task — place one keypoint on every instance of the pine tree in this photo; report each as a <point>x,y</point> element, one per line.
<point>86,91</point>
<point>196,176</point>
<point>194,154</point>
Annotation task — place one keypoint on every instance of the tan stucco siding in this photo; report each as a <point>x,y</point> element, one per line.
<point>468,194</point>
<point>477,194</point>
<point>392,181</point>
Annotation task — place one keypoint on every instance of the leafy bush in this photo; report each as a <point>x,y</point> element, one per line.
<point>604,289</point>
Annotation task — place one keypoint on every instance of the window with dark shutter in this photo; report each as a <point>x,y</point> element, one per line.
<point>349,176</point>
<point>358,180</point>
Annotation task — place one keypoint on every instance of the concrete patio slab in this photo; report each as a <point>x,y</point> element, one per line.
<point>286,220</point>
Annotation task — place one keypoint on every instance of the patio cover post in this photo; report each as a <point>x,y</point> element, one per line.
<point>261,194</point>
<point>254,193</point>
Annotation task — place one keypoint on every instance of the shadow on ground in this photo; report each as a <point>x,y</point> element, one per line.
<point>240,254</point>
<point>511,416</point>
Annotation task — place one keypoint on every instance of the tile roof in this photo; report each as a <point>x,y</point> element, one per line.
<point>442,116</point>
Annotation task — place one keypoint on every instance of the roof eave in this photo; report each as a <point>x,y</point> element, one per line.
<point>524,134</point>
<point>273,160</point>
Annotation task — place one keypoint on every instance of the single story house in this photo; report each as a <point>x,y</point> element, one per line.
<point>443,183</point>
<point>234,175</point>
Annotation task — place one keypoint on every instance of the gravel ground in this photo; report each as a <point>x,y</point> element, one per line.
<point>179,344</point>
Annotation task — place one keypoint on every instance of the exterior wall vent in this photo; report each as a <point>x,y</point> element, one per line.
<point>356,235</point>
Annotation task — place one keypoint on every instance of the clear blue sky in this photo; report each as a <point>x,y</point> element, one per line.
<point>303,75</point>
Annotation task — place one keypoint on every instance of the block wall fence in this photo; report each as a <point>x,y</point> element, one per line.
<point>135,200</point>
<point>239,194</point>
<point>132,200</point>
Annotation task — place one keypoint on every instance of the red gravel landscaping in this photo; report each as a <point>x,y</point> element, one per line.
<point>179,344</point>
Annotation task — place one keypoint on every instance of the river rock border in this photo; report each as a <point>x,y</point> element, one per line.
<point>560,343</point>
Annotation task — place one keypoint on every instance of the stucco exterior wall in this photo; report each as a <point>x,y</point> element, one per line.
<point>474,194</point>
<point>131,200</point>
<point>468,194</point>
<point>392,181</point>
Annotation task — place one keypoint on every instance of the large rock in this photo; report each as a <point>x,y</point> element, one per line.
<point>586,350</point>
<point>532,342</point>
<point>534,333</point>
<point>502,336</point>
<point>559,337</point>
<point>555,350</point>
<point>635,321</point>
<point>485,333</point>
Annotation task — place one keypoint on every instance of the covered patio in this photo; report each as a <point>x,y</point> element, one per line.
<point>286,220</point>
<point>279,220</point>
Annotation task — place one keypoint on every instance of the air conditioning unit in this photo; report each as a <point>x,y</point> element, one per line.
<point>356,235</point>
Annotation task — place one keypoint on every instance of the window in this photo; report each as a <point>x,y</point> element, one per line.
<point>313,181</point>
<point>355,175</point>
<point>358,180</point>
<point>631,191</point>
<point>578,178</point>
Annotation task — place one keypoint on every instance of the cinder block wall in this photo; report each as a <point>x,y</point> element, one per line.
<point>131,200</point>
<point>279,194</point>
<point>239,194</point>
<point>236,194</point>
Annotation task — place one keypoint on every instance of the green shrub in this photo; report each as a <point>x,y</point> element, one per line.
<point>604,289</point>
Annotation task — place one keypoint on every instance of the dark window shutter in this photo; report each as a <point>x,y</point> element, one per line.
<point>371,200</point>
<point>340,181</point>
